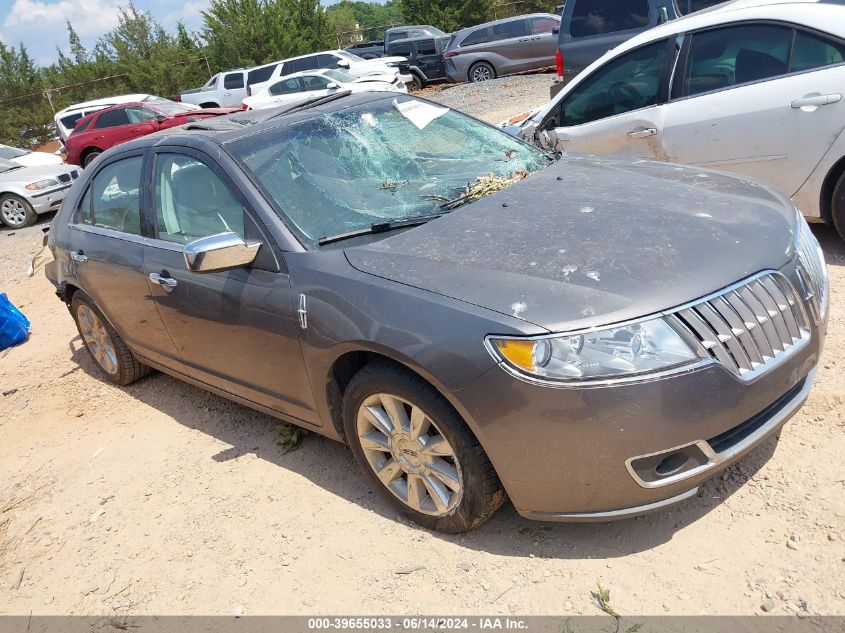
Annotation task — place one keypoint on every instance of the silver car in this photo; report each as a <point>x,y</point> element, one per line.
<point>502,47</point>
<point>25,192</point>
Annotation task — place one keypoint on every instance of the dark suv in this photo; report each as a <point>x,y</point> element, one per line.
<point>425,57</point>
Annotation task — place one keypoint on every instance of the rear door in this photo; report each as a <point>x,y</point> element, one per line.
<point>429,59</point>
<point>760,99</point>
<point>511,44</point>
<point>234,90</point>
<point>107,250</point>
<point>590,28</point>
<point>544,39</point>
<point>286,90</point>
<point>619,108</point>
<point>235,330</point>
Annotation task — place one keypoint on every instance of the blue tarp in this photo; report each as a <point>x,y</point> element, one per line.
<point>14,326</point>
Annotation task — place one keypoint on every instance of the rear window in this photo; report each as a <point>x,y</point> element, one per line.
<point>507,30</point>
<point>544,25</point>
<point>479,36</point>
<point>258,75</point>
<point>70,120</point>
<point>233,81</point>
<point>81,127</point>
<point>595,17</point>
<point>112,118</point>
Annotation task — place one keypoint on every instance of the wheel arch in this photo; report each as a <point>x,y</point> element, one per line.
<point>483,60</point>
<point>828,186</point>
<point>209,104</point>
<point>351,361</point>
<point>87,151</point>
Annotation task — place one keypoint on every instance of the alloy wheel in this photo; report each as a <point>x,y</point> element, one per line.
<point>13,212</point>
<point>481,73</point>
<point>97,339</point>
<point>409,454</point>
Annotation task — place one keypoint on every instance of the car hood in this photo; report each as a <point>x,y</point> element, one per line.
<point>26,175</point>
<point>376,76</point>
<point>38,159</point>
<point>593,241</point>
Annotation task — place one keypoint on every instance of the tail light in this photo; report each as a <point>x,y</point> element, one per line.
<point>449,54</point>
<point>178,98</point>
<point>244,106</point>
<point>559,63</point>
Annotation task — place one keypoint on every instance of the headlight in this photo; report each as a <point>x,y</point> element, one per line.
<point>42,184</point>
<point>811,256</point>
<point>626,350</point>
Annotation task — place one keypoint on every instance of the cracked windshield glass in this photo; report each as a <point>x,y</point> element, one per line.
<point>383,161</point>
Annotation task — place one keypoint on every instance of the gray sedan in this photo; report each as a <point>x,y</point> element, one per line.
<point>25,192</point>
<point>594,340</point>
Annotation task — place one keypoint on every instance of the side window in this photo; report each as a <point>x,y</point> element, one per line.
<point>509,29</point>
<point>479,36</point>
<point>628,83</point>
<point>426,47</point>
<point>597,17</point>
<point>726,57</point>
<point>402,49</point>
<point>540,26</point>
<point>289,86</point>
<point>113,200</point>
<point>815,51</point>
<point>233,81</point>
<point>315,82</point>
<point>192,201</point>
<point>299,65</point>
<point>258,75</point>
<point>81,127</point>
<point>112,118</point>
<point>70,121</point>
<point>139,115</point>
<point>326,60</point>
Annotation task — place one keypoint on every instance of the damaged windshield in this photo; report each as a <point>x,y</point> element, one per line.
<point>380,163</point>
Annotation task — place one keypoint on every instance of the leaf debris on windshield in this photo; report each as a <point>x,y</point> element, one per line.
<point>481,187</point>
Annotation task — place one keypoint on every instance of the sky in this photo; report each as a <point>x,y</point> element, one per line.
<point>40,24</point>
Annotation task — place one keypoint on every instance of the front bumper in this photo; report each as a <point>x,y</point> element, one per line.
<point>49,200</point>
<point>625,449</point>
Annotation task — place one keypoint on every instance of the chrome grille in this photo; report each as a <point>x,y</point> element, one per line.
<point>750,327</point>
<point>812,272</point>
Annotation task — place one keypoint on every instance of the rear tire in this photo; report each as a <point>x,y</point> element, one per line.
<point>481,71</point>
<point>837,206</point>
<point>110,354</point>
<point>416,82</point>
<point>16,212</point>
<point>89,157</point>
<point>431,467</point>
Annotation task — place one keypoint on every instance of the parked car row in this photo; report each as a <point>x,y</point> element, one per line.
<point>751,87</point>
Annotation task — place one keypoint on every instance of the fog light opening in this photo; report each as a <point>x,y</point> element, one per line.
<point>672,464</point>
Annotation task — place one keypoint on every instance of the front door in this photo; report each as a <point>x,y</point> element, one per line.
<point>619,109</point>
<point>235,330</point>
<point>762,100</point>
<point>107,250</point>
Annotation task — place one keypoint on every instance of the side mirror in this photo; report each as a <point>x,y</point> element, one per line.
<point>343,63</point>
<point>216,253</point>
<point>332,86</point>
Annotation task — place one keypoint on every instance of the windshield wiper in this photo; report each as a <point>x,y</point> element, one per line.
<point>381,227</point>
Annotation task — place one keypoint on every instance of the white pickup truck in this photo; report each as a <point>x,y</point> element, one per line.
<point>228,89</point>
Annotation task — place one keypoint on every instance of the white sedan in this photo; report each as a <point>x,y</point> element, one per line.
<point>753,86</point>
<point>26,158</point>
<point>319,83</point>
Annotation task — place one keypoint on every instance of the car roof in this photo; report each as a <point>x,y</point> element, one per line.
<point>510,19</point>
<point>422,38</point>
<point>105,102</point>
<point>824,15</point>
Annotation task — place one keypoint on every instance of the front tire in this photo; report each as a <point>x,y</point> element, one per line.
<point>837,206</point>
<point>113,358</point>
<point>481,71</point>
<point>417,451</point>
<point>416,82</point>
<point>16,212</point>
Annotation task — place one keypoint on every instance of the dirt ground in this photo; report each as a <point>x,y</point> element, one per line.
<point>161,498</point>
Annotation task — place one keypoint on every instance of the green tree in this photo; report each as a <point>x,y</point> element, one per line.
<point>449,16</point>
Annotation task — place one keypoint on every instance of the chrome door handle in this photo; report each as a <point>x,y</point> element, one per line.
<point>78,256</point>
<point>168,282</point>
<point>643,133</point>
<point>820,100</point>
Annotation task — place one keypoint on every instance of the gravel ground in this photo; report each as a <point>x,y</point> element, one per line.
<point>497,100</point>
<point>161,498</point>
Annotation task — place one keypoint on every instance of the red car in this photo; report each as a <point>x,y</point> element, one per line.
<point>95,133</point>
